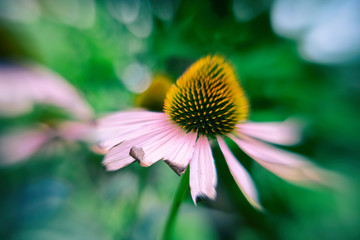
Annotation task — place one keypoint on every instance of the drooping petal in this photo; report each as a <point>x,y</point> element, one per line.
<point>287,165</point>
<point>179,159</point>
<point>21,87</point>
<point>16,147</point>
<point>240,175</point>
<point>147,143</point>
<point>283,133</point>
<point>119,156</point>
<point>118,127</point>
<point>293,174</point>
<point>128,117</point>
<point>161,146</point>
<point>203,179</point>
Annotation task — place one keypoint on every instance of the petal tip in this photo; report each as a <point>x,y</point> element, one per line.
<point>98,149</point>
<point>257,206</point>
<point>137,153</point>
<point>179,170</point>
<point>201,196</point>
<point>110,168</point>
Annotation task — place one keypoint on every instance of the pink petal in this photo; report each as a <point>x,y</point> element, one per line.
<point>179,159</point>
<point>289,166</point>
<point>203,179</point>
<point>240,175</point>
<point>129,117</point>
<point>21,87</point>
<point>283,133</point>
<point>292,174</point>
<point>116,128</point>
<point>153,145</point>
<point>161,145</point>
<point>16,147</point>
<point>119,156</point>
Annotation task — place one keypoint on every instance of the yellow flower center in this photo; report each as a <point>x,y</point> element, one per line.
<point>207,98</point>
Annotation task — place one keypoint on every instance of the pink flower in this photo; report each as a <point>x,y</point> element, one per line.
<point>206,105</point>
<point>21,144</point>
<point>23,86</point>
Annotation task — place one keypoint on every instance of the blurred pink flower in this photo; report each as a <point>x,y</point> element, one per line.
<point>21,144</point>
<point>23,86</point>
<point>207,104</point>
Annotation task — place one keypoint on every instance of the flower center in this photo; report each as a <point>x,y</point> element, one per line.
<point>207,98</point>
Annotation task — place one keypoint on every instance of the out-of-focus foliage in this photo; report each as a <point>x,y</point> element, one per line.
<point>111,50</point>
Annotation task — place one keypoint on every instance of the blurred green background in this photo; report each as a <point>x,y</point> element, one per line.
<point>110,51</point>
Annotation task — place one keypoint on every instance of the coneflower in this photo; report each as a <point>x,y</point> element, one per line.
<point>207,104</point>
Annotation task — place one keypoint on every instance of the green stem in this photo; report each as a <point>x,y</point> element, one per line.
<point>174,209</point>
